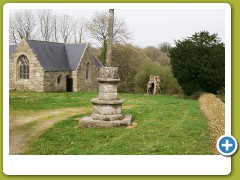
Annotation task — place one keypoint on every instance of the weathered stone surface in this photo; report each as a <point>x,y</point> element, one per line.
<point>153,86</point>
<point>51,84</point>
<point>81,83</point>
<point>89,122</point>
<point>36,78</point>
<point>104,117</point>
<point>42,80</point>
<point>107,96</point>
<point>107,88</point>
<point>107,109</point>
<point>97,101</point>
<point>108,80</point>
<point>109,72</point>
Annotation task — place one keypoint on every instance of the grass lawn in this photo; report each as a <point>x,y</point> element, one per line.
<point>165,125</point>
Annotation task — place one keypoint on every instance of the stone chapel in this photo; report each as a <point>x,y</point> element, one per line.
<point>52,67</point>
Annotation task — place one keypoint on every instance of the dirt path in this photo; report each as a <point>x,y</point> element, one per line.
<point>24,129</point>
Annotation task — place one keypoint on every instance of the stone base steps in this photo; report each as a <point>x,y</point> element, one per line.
<point>88,121</point>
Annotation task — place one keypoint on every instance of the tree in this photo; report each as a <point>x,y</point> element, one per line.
<point>157,55</point>
<point>128,60</point>
<point>65,28</point>
<point>13,36</point>
<point>164,47</point>
<point>55,25</point>
<point>97,26</point>
<point>46,24</point>
<point>78,30</point>
<point>198,63</point>
<point>22,25</point>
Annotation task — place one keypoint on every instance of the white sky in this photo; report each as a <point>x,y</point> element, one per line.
<point>150,27</point>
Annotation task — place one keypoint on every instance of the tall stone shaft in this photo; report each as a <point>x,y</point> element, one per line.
<point>110,38</point>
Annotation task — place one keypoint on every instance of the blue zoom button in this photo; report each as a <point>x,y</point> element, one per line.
<point>227,145</point>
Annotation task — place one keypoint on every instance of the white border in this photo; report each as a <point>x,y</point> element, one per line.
<point>122,164</point>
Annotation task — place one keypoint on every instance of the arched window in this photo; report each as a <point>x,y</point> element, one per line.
<point>59,79</point>
<point>23,67</point>
<point>87,70</point>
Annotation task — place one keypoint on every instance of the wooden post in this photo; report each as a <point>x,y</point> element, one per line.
<point>110,38</point>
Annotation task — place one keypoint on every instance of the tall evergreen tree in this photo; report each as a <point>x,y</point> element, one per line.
<point>198,63</point>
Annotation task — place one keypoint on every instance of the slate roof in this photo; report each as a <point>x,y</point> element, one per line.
<point>12,49</point>
<point>52,56</point>
<point>74,53</point>
<point>97,62</point>
<point>57,56</point>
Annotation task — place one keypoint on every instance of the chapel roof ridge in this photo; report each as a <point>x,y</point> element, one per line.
<point>55,42</point>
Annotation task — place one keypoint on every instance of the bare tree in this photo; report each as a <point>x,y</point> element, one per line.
<point>66,28</point>
<point>46,24</point>
<point>55,28</point>
<point>97,25</point>
<point>22,25</point>
<point>13,36</point>
<point>79,30</point>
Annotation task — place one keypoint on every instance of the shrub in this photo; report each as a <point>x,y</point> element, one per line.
<point>168,84</point>
<point>128,59</point>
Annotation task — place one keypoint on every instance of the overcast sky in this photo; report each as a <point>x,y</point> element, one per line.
<point>152,27</point>
<point>155,26</point>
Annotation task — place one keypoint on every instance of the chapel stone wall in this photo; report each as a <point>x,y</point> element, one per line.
<point>56,81</point>
<point>36,72</point>
<point>80,81</point>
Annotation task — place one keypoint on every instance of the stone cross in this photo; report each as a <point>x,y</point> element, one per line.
<point>107,107</point>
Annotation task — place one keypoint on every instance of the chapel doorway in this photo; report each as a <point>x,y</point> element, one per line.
<point>69,84</point>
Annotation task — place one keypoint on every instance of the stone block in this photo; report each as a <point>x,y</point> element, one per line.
<point>109,72</point>
<point>104,117</point>
<point>112,102</point>
<point>108,80</point>
<point>107,109</point>
<point>107,88</point>
<point>89,122</point>
<point>107,96</point>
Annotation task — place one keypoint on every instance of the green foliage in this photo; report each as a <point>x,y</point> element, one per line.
<point>103,53</point>
<point>128,59</point>
<point>164,47</point>
<point>168,84</point>
<point>198,63</point>
<point>135,67</point>
<point>157,55</point>
<point>165,125</point>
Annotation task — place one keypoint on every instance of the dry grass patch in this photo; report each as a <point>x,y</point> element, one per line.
<point>24,129</point>
<point>214,110</point>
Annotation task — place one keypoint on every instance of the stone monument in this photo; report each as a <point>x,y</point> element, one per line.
<point>107,107</point>
<point>153,86</point>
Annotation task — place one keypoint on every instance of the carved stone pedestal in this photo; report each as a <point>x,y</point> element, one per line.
<point>107,107</point>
